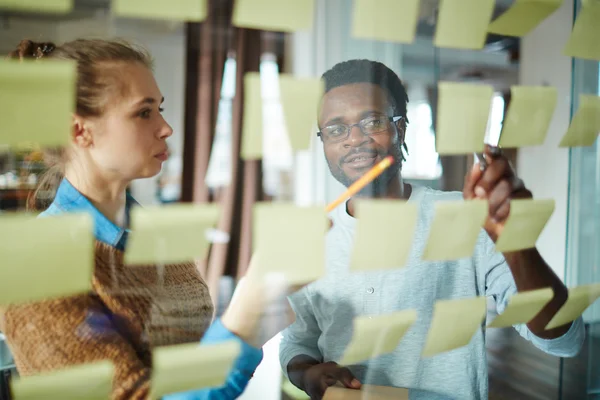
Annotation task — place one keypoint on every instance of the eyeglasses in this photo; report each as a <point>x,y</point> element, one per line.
<point>369,126</point>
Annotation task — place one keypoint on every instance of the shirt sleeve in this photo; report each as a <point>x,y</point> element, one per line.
<point>238,378</point>
<point>302,336</point>
<point>501,285</point>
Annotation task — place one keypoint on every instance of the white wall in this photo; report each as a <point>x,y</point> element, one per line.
<point>545,169</point>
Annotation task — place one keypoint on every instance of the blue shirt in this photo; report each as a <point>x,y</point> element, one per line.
<point>68,200</point>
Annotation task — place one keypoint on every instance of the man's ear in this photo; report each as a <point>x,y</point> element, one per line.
<point>401,129</point>
<point>81,135</point>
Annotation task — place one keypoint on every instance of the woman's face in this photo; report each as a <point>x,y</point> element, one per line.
<point>128,141</point>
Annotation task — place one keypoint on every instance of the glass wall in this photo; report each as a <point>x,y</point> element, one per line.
<point>583,235</point>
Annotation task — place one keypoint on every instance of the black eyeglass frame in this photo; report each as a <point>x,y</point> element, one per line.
<point>393,120</point>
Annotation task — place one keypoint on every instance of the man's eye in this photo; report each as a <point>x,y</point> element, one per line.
<point>336,131</point>
<point>373,124</point>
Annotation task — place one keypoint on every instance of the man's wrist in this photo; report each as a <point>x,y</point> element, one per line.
<point>297,368</point>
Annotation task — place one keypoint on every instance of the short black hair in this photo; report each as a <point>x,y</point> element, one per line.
<point>367,71</point>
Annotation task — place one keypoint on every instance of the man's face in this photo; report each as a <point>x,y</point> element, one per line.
<point>349,159</point>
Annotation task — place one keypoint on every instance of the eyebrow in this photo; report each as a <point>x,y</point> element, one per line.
<point>149,100</point>
<point>340,120</point>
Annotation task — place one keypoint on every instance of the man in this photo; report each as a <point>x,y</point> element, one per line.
<point>362,119</point>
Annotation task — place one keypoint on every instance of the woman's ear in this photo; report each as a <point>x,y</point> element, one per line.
<point>81,135</point>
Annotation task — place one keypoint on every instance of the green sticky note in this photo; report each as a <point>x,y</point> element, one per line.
<point>529,115</point>
<point>523,307</point>
<point>453,324</point>
<point>252,121</point>
<point>366,392</point>
<point>585,126</point>
<point>524,225</point>
<point>462,117</point>
<point>378,20</point>
<point>291,241</point>
<point>62,263</point>
<point>462,24</point>
<point>584,42</point>
<point>274,15</point>
<point>523,16</point>
<point>378,244</point>
<point>376,335</point>
<point>185,367</point>
<point>88,381</point>
<point>299,98</point>
<point>292,391</point>
<point>48,87</point>
<point>580,298</point>
<point>170,234</point>
<point>180,10</point>
<point>38,6</point>
<point>455,229</point>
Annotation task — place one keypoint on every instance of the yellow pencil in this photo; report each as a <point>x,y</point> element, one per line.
<point>362,182</point>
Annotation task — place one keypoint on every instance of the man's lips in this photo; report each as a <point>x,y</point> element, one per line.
<point>361,160</point>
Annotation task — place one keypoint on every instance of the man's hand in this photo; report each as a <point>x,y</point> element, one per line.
<point>498,184</point>
<point>319,377</point>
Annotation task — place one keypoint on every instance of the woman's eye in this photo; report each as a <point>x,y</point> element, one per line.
<point>145,113</point>
<point>161,109</point>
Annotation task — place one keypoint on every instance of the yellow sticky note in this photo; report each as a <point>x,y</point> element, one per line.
<point>88,381</point>
<point>291,241</point>
<point>252,121</point>
<point>185,367</point>
<point>585,126</point>
<point>292,391</point>
<point>378,20</point>
<point>523,307</point>
<point>38,6</point>
<point>366,392</point>
<point>48,87</point>
<point>378,244</point>
<point>274,15</point>
<point>62,263</point>
<point>580,298</point>
<point>455,229</point>
<point>170,234</point>
<point>463,111</point>
<point>299,98</point>
<point>584,42</point>
<point>529,115</point>
<point>462,24</point>
<point>454,323</point>
<point>523,16</point>
<point>181,10</point>
<point>376,335</point>
<point>524,225</point>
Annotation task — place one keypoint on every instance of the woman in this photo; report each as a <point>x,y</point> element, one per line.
<point>118,135</point>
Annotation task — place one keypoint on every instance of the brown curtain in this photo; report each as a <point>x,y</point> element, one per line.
<point>209,45</point>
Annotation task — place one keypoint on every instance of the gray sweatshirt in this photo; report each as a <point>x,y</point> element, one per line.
<point>325,309</point>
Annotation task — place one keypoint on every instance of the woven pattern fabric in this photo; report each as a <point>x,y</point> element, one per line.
<point>131,310</point>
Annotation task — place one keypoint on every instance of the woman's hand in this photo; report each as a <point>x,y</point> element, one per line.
<point>259,308</point>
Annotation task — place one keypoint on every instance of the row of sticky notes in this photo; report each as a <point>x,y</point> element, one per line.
<point>453,234</point>
<point>460,23</point>
<point>64,256</point>
<point>454,322</point>
<point>177,368</point>
<point>276,15</point>
<point>296,249</point>
<point>464,109</point>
